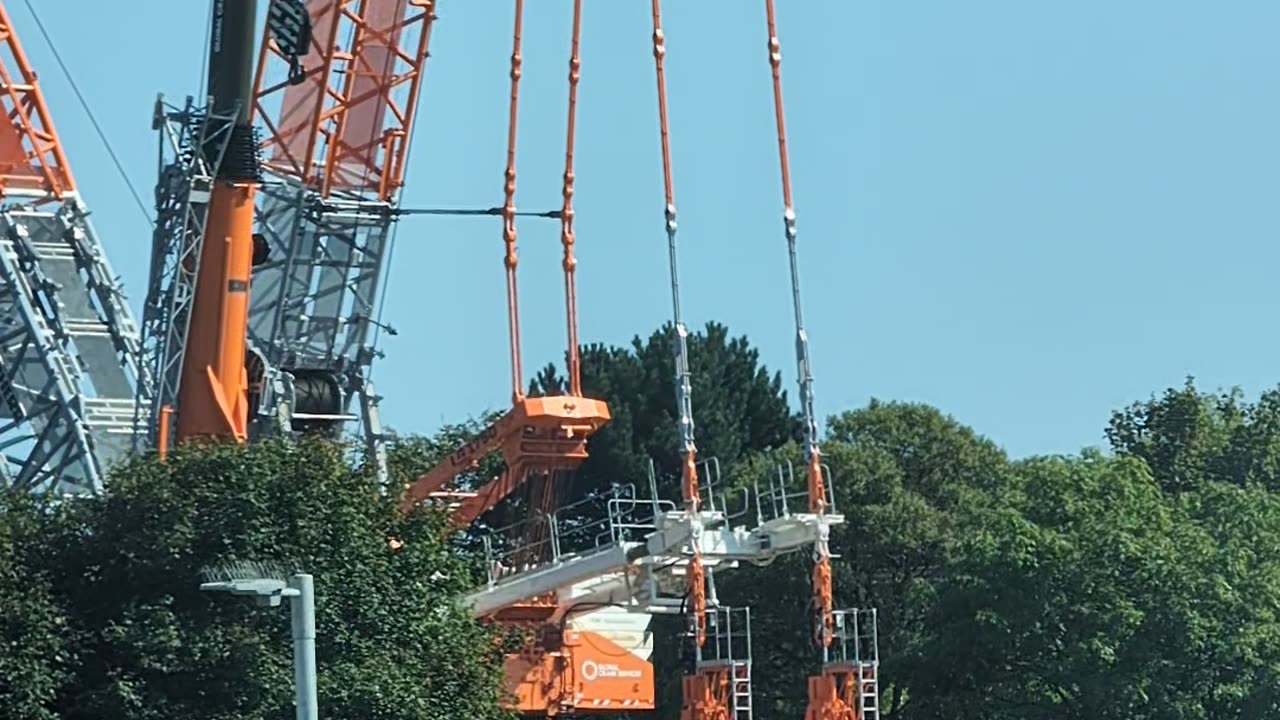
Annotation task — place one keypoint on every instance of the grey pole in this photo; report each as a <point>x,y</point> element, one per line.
<point>303,609</point>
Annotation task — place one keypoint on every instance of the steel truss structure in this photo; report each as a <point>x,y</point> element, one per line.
<point>634,554</point>
<point>337,139</point>
<point>192,143</point>
<point>68,343</point>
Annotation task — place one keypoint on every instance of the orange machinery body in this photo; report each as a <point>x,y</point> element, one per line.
<point>212,399</point>
<point>707,694</point>
<point>602,665</point>
<point>834,695</point>
<point>538,435</point>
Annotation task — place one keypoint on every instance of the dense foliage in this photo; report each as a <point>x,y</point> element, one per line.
<point>1139,581</point>
<point>109,621</point>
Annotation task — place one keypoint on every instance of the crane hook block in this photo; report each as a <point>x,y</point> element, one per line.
<point>290,26</point>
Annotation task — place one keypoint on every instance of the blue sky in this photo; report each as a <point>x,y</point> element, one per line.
<point>1027,214</point>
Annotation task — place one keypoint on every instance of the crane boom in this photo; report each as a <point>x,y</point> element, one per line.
<point>336,147</point>
<point>213,391</point>
<point>68,342</point>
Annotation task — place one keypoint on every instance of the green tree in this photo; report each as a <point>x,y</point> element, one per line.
<point>34,652</point>
<point>1091,593</point>
<point>1189,437</point>
<point>1063,603</point>
<point>739,407</point>
<point>391,643</point>
<point>909,481</point>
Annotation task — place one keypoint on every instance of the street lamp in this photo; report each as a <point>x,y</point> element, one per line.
<point>267,589</point>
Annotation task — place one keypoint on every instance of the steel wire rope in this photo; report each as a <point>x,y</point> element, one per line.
<point>395,230</point>
<point>93,120</point>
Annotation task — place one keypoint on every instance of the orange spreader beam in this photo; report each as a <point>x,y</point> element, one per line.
<point>31,156</point>
<point>538,435</point>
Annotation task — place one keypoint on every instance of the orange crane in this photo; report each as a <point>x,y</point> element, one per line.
<point>538,436</point>
<point>543,577</point>
<point>213,391</point>
<point>329,170</point>
<point>196,311</point>
<point>68,342</point>
<point>292,356</point>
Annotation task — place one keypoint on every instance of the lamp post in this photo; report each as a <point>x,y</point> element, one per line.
<point>268,591</point>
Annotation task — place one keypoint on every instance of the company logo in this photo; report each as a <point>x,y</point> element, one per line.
<point>591,670</point>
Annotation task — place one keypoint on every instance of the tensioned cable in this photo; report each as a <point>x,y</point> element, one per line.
<point>395,230</point>
<point>57,56</point>
<point>510,259</point>
<point>822,585</point>
<point>566,211</point>
<point>684,392</point>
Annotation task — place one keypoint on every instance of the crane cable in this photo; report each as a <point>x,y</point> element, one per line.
<point>566,211</point>
<point>684,392</point>
<point>385,282</point>
<point>93,119</point>
<point>508,214</point>
<point>822,586</point>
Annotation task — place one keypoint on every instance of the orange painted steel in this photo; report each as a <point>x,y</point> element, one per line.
<point>707,694</point>
<point>567,237</point>
<point>31,155</point>
<point>695,576</point>
<point>833,695</point>
<point>213,394</point>
<point>510,258</point>
<point>538,435</point>
<point>343,128</point>
<point>162,438</point>
<point>583,671</point>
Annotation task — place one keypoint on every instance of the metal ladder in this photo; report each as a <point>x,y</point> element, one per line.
<point>867,662</point>
<point>740,676</point>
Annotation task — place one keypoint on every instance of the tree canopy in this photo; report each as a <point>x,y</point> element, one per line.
<point>121,582</point>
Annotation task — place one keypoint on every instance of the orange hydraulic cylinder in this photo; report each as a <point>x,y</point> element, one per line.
<point>213,395</point>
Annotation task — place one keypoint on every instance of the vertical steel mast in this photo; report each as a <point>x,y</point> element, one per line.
<point>213,391</point>
<point>196,313</point>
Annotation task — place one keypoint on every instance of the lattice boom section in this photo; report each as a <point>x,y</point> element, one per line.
<point>31,156</point>
<point>68,352</point>
<point>191,145</point>
<point>315,298</point>
<point>345,127</point>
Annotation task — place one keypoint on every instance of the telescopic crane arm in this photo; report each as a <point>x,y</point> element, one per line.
<point>212,395</point>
